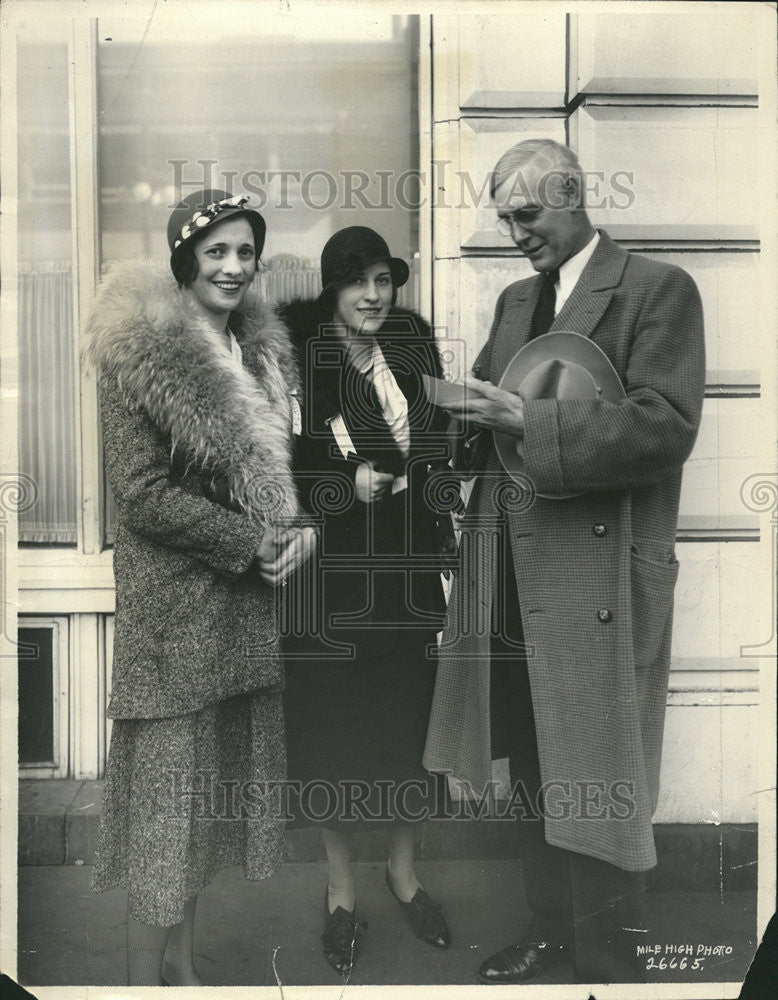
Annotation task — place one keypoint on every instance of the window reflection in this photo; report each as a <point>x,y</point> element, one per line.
<point>320,132</point>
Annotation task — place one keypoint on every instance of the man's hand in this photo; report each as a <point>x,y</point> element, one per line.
<point>371,485</point>
<point>487,406</point>
<point>282,553</point>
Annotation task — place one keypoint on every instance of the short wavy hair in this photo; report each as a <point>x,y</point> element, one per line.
<point>552,155</point>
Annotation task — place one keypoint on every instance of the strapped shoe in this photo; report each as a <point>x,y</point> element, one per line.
<point>425,918</point>
<point>522,962</point>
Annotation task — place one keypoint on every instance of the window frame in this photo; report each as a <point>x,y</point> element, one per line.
<point>59,766</point>
<point>62,578</point>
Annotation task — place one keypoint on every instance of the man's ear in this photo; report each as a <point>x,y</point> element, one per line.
<point>573,189</point>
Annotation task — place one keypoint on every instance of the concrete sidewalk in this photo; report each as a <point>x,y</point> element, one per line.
<point>68,936</point>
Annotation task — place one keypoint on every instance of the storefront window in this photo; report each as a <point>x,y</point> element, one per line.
<point>314,118</point>
<point>316,122</point>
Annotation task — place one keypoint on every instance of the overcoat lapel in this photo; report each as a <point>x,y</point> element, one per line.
<point>329,390</point>
<point>581,312</point>
<point>594,290</point>
<point>516,324</point>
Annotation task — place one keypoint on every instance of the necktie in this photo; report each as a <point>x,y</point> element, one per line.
<point>543,316</point>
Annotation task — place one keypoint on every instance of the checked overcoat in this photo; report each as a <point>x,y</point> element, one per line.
<point>595,573</point>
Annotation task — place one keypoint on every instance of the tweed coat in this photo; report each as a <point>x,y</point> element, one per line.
<point>403,532</point>
<point>595,574</point>
<point>197,453</point>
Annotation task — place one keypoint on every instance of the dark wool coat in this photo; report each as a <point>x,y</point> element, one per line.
<point>401,536</point>
<point>595,574</point>
<point>197,454</point>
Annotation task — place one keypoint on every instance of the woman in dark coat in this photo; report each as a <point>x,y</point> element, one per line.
<point>197,403</point>
<point>361,668</point>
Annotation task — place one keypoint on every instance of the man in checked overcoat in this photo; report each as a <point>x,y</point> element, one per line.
<point>569,676</point>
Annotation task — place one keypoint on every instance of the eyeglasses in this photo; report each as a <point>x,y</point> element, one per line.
<point>524,217</point>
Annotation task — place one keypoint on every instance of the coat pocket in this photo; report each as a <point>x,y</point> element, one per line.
<point>653,584</point>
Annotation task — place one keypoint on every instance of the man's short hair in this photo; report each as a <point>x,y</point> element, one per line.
<point>553,156</point>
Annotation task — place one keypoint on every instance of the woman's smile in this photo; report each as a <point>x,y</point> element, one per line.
<point>226,264</point>
<point>229,287</point>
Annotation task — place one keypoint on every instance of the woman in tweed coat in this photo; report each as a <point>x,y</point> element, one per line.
<point>197,410</point>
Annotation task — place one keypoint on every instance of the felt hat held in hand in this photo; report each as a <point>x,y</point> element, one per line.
<point>558,365</point>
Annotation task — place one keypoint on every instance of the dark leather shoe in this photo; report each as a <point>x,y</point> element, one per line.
<point>340,937</point>
<point>424,916</point>
<point>520,963</point>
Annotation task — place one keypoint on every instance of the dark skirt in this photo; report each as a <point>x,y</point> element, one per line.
<point>188,795</point>
<point>355,736</point>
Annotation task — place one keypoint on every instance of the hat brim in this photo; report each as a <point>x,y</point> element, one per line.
<point>565,347</point>
<point>400,271</point>
<point>397,266</point>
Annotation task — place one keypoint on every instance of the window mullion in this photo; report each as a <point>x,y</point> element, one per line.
<point>427,179</point>
<point>86,264</point>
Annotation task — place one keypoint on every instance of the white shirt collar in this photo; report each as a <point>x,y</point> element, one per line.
<point>571,271</point>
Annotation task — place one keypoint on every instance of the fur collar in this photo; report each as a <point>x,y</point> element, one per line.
<point>409,350</point>
<point>223,419</point>
<point>305,317</point>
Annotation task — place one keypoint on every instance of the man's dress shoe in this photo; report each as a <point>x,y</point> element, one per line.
<point>520,963</point>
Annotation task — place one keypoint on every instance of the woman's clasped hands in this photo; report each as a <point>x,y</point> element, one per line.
<point>370,484</point>
<point>283,551</point>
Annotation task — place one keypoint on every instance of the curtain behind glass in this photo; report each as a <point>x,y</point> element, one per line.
<point>47,405</point>
<point>46,338</point>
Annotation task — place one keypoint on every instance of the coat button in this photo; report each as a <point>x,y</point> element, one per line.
<point>604,615</point>
<point>599,530</point>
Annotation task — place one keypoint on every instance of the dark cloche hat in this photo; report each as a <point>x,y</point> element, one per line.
<point>203,208</point>
<point>351,250</point>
